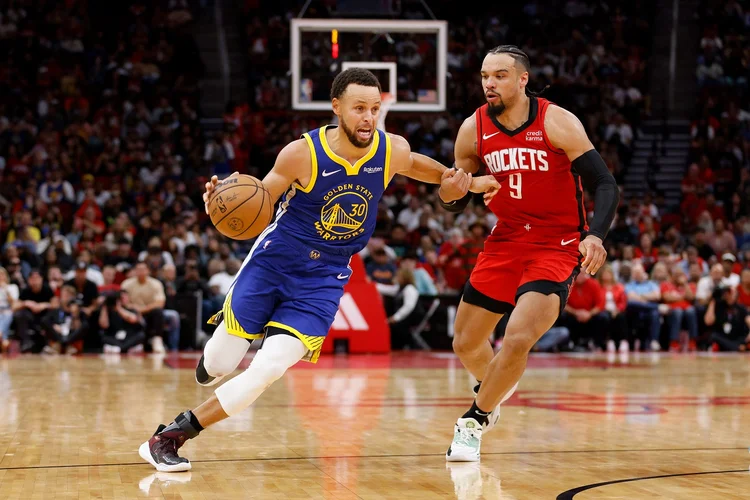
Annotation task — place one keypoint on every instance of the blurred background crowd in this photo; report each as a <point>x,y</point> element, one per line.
<point>103,159</point>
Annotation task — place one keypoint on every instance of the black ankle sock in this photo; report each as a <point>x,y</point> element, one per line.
<point>477,414</point>
<point>476,387</point>
<point>194,421</point>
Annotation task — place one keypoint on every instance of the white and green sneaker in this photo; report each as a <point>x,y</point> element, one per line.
<point>467,440</point>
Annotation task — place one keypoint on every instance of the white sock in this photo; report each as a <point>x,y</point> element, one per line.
<point>278,354</point>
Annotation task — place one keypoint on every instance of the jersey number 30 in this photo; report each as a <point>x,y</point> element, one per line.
<point>514,182</point>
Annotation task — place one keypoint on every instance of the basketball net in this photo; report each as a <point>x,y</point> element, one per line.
<point>386,101</point>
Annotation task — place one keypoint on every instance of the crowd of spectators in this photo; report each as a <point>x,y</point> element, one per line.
<point>683,276</point>
<point>103,159</point>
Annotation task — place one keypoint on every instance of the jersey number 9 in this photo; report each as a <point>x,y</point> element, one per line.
<point>514,182</point>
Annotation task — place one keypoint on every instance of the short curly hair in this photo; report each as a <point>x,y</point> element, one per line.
<point>358,76</point>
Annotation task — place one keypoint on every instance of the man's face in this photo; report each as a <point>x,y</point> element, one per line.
<point>501,82</point>
<point>358,110</point>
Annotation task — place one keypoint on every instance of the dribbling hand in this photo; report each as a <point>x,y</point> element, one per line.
<point>594,254</point>
<point>210,186</point>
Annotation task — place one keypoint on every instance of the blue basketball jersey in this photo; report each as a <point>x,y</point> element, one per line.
<point>294,276</point>
<point>336,211</point>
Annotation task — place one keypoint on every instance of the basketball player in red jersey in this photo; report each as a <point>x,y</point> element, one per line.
<point>541,158</point>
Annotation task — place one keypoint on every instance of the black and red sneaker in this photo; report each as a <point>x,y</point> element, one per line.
<point>161,450</point>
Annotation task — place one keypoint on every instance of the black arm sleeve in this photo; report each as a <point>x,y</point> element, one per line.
<point>456,206</point>
<point>595,175</point>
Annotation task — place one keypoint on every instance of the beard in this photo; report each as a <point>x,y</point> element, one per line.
<point>497,108</point>
<point>353,138</point>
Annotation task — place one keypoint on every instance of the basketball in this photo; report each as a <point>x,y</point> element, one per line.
<point>240,207</point>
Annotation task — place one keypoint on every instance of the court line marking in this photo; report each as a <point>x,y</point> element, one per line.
<point>415,455</point>
<point>568,495</point>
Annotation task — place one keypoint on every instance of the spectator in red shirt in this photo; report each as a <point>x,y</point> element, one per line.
<point>691,181</point>
<point>743,289</point>
<point>474,245</point>
<point>615,304</point>
<point>583,312</point>
<point>452,260</point>
<point>716,211</point>
<point>109,273</point>
<point>646,252</point>
<point>706,174</point>
<point>678,293</point>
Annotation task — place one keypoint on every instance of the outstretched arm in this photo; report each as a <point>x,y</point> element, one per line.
<point>566,132</point>
<point>423,168</point>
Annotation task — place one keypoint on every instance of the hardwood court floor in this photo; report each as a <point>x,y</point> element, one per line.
<point>377,427</point>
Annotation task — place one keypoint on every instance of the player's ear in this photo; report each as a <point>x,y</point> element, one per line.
<point>336,106</point>
<point>524,79</point>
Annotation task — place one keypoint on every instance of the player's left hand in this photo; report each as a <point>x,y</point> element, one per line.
<point>490,188</point>
<point>210,186</point>
<point>486,184</point>
<point>594,254</point>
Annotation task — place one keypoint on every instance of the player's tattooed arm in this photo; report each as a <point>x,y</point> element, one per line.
<point>565,131</point>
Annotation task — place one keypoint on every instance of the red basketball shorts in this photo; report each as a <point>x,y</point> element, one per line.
<point>505,270</point>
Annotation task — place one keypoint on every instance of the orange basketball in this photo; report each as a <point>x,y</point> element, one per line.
<point>240,207</point>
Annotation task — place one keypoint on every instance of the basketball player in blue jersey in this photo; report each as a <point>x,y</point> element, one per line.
<point>288,289</point>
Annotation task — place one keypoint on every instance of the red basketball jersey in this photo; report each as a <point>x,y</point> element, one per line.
<point>541,198</point>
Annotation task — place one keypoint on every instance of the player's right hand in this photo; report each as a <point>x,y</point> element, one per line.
<point>210,186</point>
<point>594,254</point>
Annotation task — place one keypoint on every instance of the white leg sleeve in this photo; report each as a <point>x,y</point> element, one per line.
<point>223,352</point>
<point>278,354</point>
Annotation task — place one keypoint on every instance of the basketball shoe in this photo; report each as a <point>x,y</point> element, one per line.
<point>161,450</point>
<point>467,441</point>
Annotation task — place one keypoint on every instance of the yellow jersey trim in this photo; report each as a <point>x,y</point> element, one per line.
<point>314,161</point>
<point>312,342</point>
<point>387,167</point>
<point>244,335</point>
<point>350,169</point>
<point>233,326</point>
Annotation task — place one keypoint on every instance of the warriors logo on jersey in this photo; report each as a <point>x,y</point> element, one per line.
<point>345,212</point>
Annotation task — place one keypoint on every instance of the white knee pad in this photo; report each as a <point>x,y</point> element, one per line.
<point>278,354</point>
<point>223,352</point>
